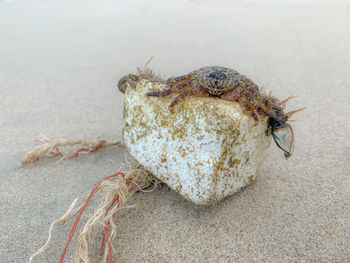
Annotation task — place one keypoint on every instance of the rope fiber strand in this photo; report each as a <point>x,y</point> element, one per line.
<point>47,146</point>
<point>117,189</point>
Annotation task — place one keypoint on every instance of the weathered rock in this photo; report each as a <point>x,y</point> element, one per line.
<point>205,150</point>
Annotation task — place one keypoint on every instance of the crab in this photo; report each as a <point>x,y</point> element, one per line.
<point>129,79</point>
<point>228,84</point>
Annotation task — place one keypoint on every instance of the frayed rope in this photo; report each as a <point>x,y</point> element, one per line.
<point>47,146</point>
<point>118,189</point>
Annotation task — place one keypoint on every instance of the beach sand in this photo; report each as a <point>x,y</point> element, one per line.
<point>59,65</point>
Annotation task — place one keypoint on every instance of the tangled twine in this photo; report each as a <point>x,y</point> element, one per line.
<point>117,188</point>
<point>45,146</point>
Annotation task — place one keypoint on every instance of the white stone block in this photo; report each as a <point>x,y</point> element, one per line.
<point>206,149</point>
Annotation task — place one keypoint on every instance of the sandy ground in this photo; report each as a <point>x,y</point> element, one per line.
<point>59,64</point>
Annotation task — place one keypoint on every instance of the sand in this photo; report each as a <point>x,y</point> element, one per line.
<point>59,65</point>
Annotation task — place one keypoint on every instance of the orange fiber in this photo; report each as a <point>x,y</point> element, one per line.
<point>75,225</point>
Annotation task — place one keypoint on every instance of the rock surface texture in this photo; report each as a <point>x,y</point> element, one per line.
<point>206,149</point>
